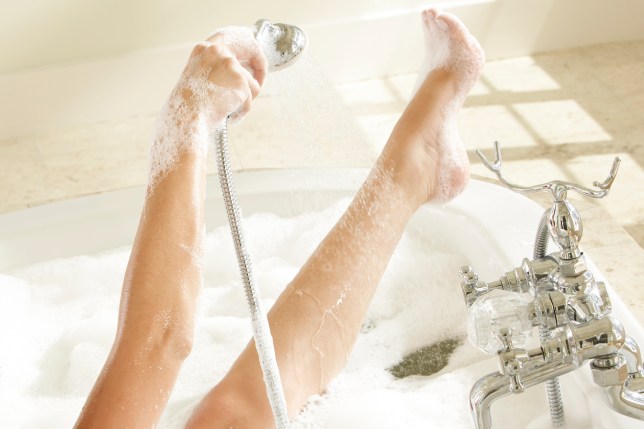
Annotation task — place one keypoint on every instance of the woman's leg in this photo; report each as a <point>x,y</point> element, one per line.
<point>317,318</point>
<point>163,277</point>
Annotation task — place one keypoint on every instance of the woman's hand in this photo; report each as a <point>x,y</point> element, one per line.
<point>223,75</point>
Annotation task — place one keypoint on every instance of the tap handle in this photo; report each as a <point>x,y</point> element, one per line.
<point>511,360</point>
<point>468,275</point>
<point>557,188</point>
<point>471,286</point>
<point>496,316</point>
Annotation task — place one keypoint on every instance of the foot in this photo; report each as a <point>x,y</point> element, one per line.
<point>450,46</point>
<point>426,136</point>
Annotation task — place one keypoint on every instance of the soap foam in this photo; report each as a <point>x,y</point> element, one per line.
<point>65,313</point>
<point>197,106</point>
<point>450,48</point>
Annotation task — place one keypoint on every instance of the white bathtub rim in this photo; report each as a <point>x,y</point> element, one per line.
<point>59,229</point>
<point>54,230</point>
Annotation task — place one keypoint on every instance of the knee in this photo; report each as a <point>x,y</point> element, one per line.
<point>225,407</point>
<point>213,412</point>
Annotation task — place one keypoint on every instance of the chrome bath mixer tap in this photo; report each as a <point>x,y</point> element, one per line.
<point>557,294</point>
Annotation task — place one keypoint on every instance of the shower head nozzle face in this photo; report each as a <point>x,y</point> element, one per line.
<point>281,43</point>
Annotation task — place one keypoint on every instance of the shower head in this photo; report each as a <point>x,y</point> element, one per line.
<point>281,43</point>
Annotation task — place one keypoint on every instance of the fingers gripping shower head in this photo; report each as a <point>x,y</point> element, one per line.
<point>281,43</point>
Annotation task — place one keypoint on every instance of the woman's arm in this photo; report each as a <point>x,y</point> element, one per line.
<point>163,278</point>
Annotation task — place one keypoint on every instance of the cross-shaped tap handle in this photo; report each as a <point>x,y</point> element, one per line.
<point>557,188</point>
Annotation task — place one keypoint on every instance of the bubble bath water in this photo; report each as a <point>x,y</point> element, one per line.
<point>59,317</point>
<point>64,316</point>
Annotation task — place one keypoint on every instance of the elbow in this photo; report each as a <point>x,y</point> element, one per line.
<point>177,343</point>
<point>172,339</point>
<point>162,339</point>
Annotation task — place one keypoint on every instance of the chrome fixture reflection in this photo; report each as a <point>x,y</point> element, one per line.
<point>559,295</point>
<point>282,43</point>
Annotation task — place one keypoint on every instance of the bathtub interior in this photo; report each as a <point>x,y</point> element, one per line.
<point>487,227</point>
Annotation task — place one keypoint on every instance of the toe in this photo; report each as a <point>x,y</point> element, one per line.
<point>454,26</point>
<point>430,14</point>
<point>429,17</point>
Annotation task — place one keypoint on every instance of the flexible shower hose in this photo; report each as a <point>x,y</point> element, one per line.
<point>553,389</point>
<point>261,329</point>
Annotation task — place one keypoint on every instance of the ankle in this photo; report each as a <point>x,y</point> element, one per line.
<point>407,173</point>
<point>441,88</point>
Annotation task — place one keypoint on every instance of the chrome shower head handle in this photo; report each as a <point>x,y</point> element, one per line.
<point>282,43</point>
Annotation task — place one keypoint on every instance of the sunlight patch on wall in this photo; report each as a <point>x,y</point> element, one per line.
<point>518,75</point>
<point>482,125</point>
<point>561,122</point>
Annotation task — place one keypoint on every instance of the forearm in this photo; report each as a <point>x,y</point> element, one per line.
<point>155,327</point>
<point>163,276</point>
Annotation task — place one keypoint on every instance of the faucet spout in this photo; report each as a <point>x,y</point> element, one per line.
<point>564,353</point>
<point>487,390</point>
<point>633,356</point>
<point>496,385</point>
<point>627,399</point>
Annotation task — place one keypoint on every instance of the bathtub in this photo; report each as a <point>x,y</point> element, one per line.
<point>489,227</point>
